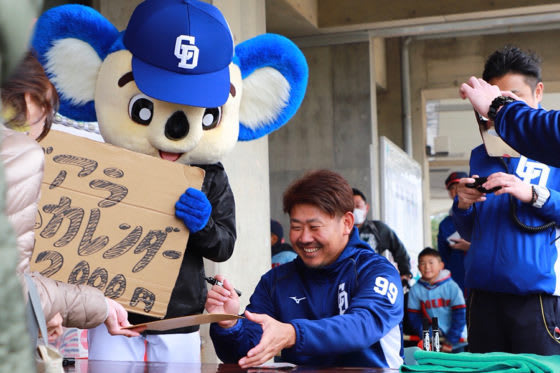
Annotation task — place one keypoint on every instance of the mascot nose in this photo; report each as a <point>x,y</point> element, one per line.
<point>177,126</point>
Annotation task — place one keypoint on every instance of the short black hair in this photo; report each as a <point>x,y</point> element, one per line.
<point>511,59</point>
<point>428,251</point>
<point>357,192</point>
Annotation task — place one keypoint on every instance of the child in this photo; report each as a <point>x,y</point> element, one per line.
<point>437,295</point>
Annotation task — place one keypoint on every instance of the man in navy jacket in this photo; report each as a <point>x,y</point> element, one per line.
<point>338,304</point>
<point>532,131</point>
<point>512,268</point>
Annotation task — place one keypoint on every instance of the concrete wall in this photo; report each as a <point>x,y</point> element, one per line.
<point>331,129</point>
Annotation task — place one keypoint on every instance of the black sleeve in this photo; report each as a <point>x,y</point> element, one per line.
<point>217,239</point>
<point>391,242</point>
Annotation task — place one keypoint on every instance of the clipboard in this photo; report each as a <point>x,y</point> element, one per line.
<point>183,321</point>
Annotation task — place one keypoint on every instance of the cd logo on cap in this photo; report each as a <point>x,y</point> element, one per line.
<point>186,51</point>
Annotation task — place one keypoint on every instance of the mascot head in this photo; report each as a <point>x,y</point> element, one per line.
<point>171,85</point>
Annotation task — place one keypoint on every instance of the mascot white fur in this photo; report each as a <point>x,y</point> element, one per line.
<point>173,86</point>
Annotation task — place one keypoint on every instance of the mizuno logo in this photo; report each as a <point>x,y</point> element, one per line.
<point>297,300</point>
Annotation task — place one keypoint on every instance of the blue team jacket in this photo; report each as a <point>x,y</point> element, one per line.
<point>453,259</point>
<point>348,313</point>
<point>502,257</point>
<point>534,133</point>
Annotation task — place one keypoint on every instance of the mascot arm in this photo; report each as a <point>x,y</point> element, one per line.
<point>216,240</point>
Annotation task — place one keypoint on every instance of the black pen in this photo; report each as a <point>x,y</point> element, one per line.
<point>213,281</point>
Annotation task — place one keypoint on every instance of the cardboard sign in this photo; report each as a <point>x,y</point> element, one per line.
<point>184,321</point>
<point>107,219</point>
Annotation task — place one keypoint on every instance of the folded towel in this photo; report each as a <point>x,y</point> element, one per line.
<point>489,362</point>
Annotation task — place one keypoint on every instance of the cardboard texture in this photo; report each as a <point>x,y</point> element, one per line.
<point>184,321</point>
<point>107,219</point>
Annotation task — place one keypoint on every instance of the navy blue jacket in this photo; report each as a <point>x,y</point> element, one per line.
<point>453,259</point>
<point>534,133</point>
<point>348,313</point>
<point>503,257</point>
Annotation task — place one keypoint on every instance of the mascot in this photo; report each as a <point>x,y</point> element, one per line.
<point>173,86</point>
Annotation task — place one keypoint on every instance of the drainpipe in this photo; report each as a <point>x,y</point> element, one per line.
<point>405,88</point>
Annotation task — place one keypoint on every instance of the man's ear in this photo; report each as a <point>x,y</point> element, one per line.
<point>348,221</point>
<point>539,91</point>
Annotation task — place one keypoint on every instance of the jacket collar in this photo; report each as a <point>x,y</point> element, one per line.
<point>444,275</point>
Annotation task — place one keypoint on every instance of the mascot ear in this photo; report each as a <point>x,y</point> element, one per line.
<point>275,74</point>
<point>71,42</point>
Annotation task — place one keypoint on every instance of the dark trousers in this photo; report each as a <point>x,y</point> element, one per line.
<point>513,323</point>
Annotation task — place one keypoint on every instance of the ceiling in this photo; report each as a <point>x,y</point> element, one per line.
<point>332,21</point>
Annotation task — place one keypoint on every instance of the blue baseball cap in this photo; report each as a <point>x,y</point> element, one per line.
<point>181,52</point>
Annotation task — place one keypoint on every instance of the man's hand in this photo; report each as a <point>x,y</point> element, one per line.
<point>276,336</point>
<point>510,184</point>
<point>54,327</point>
<point>481,94</point>
<point>460,244</point>
<point>223,299</point>
<point>117,319</point>
<point>406,277</point>
<point>467,196</point>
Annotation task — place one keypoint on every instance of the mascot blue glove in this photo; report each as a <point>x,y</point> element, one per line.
<point>194,209</point>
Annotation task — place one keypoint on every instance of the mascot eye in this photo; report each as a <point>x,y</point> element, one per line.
<point>141,109</point>
<point>211,118</point>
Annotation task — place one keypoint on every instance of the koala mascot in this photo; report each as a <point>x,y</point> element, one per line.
<point>172,86</point>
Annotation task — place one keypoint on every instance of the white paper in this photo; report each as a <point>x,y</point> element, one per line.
<point>454,236</point>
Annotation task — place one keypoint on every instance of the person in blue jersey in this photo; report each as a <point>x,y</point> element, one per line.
<point>435,294</point>
<point>511,268</point>
<point>451,246</point>
<point>532,131</point>
<point>337,304</point>
<point>280,251</point>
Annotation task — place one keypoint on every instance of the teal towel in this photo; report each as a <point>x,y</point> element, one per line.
<point>489,362</point>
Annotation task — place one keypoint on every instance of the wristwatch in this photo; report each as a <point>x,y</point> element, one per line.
<point>497,103</point>
<point>540,195</point>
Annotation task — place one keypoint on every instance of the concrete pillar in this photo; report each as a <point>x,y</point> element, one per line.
<point>246,166</point>
<point>375,205</point>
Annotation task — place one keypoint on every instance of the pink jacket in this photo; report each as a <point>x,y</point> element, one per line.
<point>80,306</point>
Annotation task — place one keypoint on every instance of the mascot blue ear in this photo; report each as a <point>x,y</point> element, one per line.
<point>71,42</point>
<point>275,74</point>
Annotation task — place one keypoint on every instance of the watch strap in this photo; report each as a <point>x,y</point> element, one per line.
<point>496,104</point>
<point>542,194</point>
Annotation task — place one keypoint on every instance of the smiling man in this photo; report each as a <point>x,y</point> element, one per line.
<point>338,304</point>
